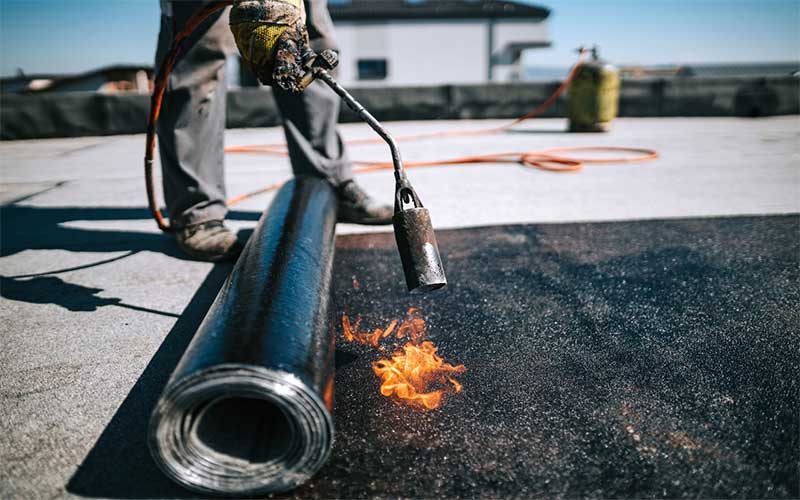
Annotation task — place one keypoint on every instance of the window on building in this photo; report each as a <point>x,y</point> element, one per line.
<point>372,69</point>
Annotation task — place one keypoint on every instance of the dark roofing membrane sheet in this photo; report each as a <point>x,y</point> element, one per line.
<point>629,359</point>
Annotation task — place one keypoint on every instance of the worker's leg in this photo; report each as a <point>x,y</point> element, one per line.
<point>191,130</point>
<point>309,118</point>
<point>309,121</point>
<point>192,120</point>
<point>315,146</point>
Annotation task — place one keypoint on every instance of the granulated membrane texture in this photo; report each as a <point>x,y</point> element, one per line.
<point>625,359</point>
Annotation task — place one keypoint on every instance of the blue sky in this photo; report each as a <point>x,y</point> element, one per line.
<point>66,36</point>
<point>674,31</point>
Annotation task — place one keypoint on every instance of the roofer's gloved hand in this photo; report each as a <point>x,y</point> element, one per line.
<point>272,38</point>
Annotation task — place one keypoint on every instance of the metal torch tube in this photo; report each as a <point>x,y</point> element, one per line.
<point>247,409</point>
<point>397,161</point>
<point>413,230</point>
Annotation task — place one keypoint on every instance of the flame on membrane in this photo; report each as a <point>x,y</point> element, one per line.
<point>414,374</point>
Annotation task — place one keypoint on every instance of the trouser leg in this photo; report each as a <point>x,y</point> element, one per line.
<point>192,122</point>
<point>309,122</point>
<point>309,118</point>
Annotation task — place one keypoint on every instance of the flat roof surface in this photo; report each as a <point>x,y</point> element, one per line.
<point>673,324</point>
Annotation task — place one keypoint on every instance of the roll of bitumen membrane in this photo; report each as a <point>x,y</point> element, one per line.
<point>248,408</point>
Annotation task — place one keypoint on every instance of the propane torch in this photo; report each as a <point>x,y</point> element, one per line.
<point>413,229</point>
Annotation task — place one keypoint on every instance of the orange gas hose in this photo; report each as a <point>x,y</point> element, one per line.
<point>159,87</point>
<point>553,160</point>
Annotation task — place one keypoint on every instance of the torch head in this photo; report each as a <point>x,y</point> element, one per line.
<point>416,242</point>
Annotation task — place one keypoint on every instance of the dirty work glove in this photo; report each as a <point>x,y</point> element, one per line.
<point>272,38</point>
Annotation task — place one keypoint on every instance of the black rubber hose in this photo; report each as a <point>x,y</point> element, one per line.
<point>248,408</point>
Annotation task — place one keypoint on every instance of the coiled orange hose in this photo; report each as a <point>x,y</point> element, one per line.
<point>552,160</point>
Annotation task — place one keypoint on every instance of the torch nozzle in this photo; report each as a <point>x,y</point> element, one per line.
<point>416,241</point>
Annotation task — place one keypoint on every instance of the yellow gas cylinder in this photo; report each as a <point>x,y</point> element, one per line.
<point>593,96</point>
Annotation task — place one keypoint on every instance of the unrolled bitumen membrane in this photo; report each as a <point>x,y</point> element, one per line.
<point>638,359</point>
<point>248,408</point>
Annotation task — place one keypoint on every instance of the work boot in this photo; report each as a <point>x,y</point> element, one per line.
<point>357,207</point>
<point>208,241</point>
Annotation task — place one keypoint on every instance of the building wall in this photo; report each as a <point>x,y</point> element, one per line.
<point>506,32</point>
<point>431,52</point>
<point>417,52</point>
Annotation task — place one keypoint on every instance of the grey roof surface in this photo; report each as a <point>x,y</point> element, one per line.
<point>98,305</point>
<point>384,10</point>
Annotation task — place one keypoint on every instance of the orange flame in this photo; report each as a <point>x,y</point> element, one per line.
<point>351,333</point>
<point>410,374</point>
<point>415,375</point>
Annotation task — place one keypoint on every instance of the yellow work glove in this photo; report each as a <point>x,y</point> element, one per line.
<point>272,38</point>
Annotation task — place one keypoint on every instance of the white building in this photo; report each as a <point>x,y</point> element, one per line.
<point>405,42</point>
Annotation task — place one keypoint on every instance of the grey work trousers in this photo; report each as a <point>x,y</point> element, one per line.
<point>192,121</point>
